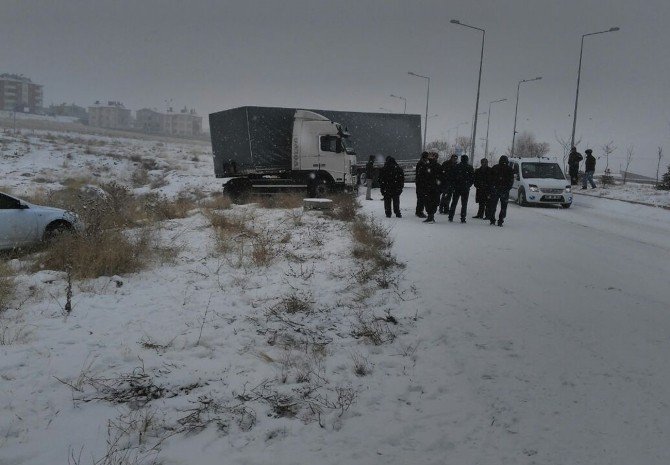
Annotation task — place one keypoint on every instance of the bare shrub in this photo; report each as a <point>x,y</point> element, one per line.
<point>361,365</point>
<point>159,207</point>
<point>293,303</point>
<point>226,229</point>
<point>104,253</point>
<point>6,286</point>
<point>345,207</point>
<point>263,250</point>
<point>140,177</point>
<point>376,331</point>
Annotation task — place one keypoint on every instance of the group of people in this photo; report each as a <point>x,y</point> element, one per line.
<point>574,158</point>
<point>442,187</point>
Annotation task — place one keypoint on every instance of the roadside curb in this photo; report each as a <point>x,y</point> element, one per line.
<point>635,202</point>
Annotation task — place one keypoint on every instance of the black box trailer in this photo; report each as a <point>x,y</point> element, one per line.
<point>258,139</point>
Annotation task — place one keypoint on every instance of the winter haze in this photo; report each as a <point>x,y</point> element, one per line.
<point>350,55</point>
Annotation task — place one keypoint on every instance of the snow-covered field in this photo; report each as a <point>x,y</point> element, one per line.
<point>543,342</point>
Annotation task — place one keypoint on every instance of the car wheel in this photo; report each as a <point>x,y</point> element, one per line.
<point>521,198</point>
<point>566,205</point>
<point>55,230</point>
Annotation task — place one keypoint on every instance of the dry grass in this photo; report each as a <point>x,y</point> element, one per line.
<point>227,229</point>
<point>217,202</point>
<point>6,286</point>
<point>282,200</point>
<point>104,253</point>
<point>345,207</point>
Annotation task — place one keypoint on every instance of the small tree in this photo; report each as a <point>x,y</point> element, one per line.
<point>565,145</point>
<point>630,151</point>
<point>665,181</point>
<point>658,166</point>
<point>608,148</point>
<point>526,146</point>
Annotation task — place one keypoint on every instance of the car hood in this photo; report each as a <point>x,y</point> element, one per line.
<point>544,183</point>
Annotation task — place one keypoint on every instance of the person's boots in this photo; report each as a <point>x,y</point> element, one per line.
<point>430,219</point>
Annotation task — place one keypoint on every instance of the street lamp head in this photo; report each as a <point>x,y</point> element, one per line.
<point>411,73</point>
<point>455,21</point>
<point>537,78</point>
<point>615,28</point>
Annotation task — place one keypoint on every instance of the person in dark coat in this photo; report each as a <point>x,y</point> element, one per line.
<point>589,169</point>
<point>573,165</point>
<point>482,186</point>
<point>501,179</point>
<point>420,207</point>
<point>391,183</point>
<point>369,175</point>
<point>429,177</point>
<point>463,177</point>
<point>447,183</point>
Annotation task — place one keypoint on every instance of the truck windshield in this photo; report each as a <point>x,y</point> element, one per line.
<point>541,170</point>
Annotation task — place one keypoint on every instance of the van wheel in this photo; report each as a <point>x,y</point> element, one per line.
<point>521,198</point>
<point>566,205</point>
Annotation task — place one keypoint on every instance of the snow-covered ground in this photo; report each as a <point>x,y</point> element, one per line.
<point>542,342</point>
<point>631,192</point>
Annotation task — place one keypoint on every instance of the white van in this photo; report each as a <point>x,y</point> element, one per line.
<point>539,181</point>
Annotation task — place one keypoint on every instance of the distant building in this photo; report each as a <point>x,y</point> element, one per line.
<point>18,93</point>
<point>149,121</point>
<point>112,116</point>
<point>71,110</point>
<point>185,123</point>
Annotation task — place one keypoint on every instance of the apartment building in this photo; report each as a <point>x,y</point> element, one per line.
<point>19,93</point>
<point>112,115</point>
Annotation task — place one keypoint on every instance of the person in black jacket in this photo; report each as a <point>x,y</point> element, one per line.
<point>482,186</point>
<point>573,165</point>
<point>463,176</point>
<point>589,169</point>
<point>429,178</point>
<point>501,179</point>
<point>420,207</point>
<point>447,183</point>
<point>391,183</point>
<point>369,175</point>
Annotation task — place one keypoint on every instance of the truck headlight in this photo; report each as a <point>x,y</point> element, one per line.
<point>533,188</point>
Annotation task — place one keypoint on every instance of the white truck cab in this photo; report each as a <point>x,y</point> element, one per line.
<point>539,181</point>
<point>318,145</point>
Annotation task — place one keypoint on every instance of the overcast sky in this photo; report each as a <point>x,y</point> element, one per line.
<point>350,55</point>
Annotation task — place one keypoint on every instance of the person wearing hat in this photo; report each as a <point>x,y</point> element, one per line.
<point>429,178</point>
<point>482,186</point>
<point>418,180</point>
<point>501,179</point>
<point>589,169</point>
<point>464,176</point>
<point>573,165</point>
<point>391,183</point>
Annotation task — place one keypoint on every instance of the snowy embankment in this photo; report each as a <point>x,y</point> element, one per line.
<point>630,192</point>
<point>541,342</point>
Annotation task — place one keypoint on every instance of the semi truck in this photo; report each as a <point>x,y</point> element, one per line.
<point>268,149</point>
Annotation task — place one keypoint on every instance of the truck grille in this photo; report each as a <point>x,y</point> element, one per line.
<point>552,191</point>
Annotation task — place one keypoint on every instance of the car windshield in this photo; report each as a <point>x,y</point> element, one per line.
<point>541,170</point>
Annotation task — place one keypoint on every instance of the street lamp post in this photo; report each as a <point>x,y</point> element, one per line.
<point>479,84</point>
<point>579,74</point>
<point>516,109</point>
<point>488,123</point>
<point>404,101</point>
<point>425,126</point>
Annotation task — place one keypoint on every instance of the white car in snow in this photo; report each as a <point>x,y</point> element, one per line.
<point>539,181</point>
<point>22,223</point>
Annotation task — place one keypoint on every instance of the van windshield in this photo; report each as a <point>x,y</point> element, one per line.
<point>541,170</point>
